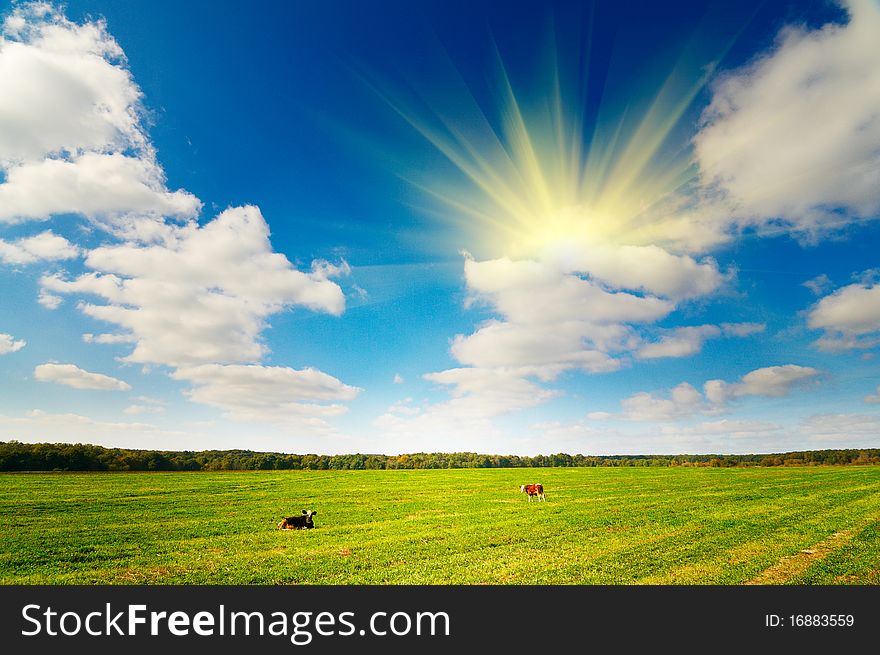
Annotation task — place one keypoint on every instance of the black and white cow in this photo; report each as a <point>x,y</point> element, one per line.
<point>298,522</point>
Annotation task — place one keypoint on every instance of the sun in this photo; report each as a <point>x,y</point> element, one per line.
<point>537,170</point>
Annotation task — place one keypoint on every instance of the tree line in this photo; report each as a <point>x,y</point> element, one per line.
<point>17,456</point>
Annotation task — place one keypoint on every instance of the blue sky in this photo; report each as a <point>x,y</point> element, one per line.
<point>581,227</point>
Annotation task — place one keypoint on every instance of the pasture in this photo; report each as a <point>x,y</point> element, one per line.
<point>816,525</point>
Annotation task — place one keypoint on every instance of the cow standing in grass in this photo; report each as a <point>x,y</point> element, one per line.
<point>303,522</point>
<point>533,490</point>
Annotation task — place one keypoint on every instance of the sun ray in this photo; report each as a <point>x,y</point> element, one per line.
<point>540,166</point>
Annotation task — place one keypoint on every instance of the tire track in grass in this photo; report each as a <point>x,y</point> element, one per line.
<point>857,562</point>
<point>709,554</point>
<point>792,566</point>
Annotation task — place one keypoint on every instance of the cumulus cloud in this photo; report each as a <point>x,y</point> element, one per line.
<point>268,393</point>
<point>108,188</point>
<point>569,310</point>
<point>199,301</point>
<point>773,381</point>
<point>46,246</point>
<point>69,90</point>
<point>73,376</point>
<point>686,341</point>
<point>9,344</point>
<point>506,344</point>
<point>849,317</point>
<point>71,134</point>
<point>532,291</point>
<point>49,300</point>
<point>794,137</point>
<point>201,297</point>
<point>685,400</point>
<point>553,320</point>
<point>648,268</point>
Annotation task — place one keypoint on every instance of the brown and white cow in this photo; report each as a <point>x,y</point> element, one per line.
<point>533,490</point>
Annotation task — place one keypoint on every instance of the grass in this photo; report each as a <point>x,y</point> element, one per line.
<point>818,525</point>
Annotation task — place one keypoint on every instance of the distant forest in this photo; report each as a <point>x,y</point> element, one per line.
<point>17,456</point>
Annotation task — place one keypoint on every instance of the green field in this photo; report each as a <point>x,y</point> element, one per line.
<point>812,525</point>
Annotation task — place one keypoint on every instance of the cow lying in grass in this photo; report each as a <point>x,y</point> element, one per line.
<point>298,522</point>
<point>533,490</point>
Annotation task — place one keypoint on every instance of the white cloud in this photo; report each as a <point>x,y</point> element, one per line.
<point>106,338</point>
<point>794,137</point>
<point>108,188</point>
<point>685,400</point>
<point>268,393</point>
<point>49,300</point>
<point>150,401</point>
<point>487,392</point>
<point>67,87</point>
<point>819,285</point>
<point>71,137</point>
<point>73,376</point>
<point>398,379</point>
<point>405,408</point>
<point>641,268</point>
<point>540,292</point>
<point>46,246</point>
<point>144,409</point>
<point>849,317</point>
<point>551,350</point>
<point>689,340</point>
<point>8,344</point>
<point>773,381</point>
<point>553,319</point>
<point>478,396</point>
<point>742,329</point>
<point>853,430</point>
<point>202,297</point>
<point>565,311</point>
